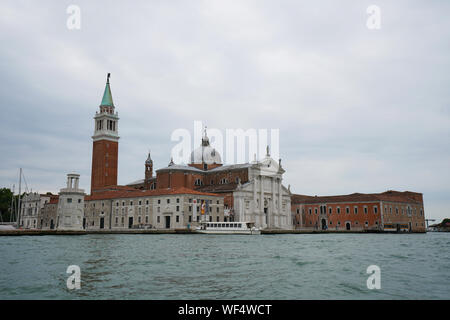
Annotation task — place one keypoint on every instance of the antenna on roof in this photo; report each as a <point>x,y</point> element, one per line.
<point>107,78</point>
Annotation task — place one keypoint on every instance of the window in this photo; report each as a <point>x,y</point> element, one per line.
<point>146,202</point>
<point>139,219</point>
<point>330,210</point>
<point>310,211</point>
<point>356,210</point>
<point>365,209</point>
<point>79,200</point>
<point>198,182</point>
<point>338,210</point>
<point>157,219</point>
<point>131,203</point>
<point>159,209</point>
<point>198,218</point>
<point>190,218</point>
<point>177,218</point>
<point>315,210</point>
<point>347,210</point>
<point>159,201</point>
<point>375,209</point>
<point>178,200</point>
<point>217,218</point>
<point>210,218</point>
<point>69,200</point>
<point>146,219</point>
<point>140,202</point>
<point>217,209</point>
<point>168,200</point>
<point>178,209</point>
<point>190,208</point>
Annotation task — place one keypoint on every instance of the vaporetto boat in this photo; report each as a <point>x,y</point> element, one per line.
<point>228,228</point>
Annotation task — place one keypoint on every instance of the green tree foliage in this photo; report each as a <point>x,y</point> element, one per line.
<point>5,203</point>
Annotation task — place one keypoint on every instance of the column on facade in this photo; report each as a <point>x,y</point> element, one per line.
<point>255,185</point>
<point>280,200</point>
<point>274,208</point>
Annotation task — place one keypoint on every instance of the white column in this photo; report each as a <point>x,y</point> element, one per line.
<point>280,206</point>
<point>261,198</point>
<point>255,185</point>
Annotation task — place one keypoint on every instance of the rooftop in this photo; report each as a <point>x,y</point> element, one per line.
<point>134,193</point>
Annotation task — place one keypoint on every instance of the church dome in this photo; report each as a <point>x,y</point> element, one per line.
<point>205,153</point>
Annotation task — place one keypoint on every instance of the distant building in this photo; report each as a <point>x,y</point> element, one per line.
<point>30,209</point>
<point>70,211</point>
<point>180,196</point>
<point>252,191</point>
<point>47,217</point>
<point>387,211</point>
<point>105,143</point>
<point>127,208</point>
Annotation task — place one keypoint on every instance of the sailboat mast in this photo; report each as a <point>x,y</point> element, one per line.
<point>11,209</point>
<point>20,190</point>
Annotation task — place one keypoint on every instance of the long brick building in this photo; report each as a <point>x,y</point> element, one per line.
<point>387,211</point>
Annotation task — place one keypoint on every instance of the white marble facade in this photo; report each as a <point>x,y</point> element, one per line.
<point>264,200</point>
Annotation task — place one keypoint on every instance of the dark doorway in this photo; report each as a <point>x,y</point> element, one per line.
<point>324,224</point>
<point>84,223</point>
<point>130,222</point>
<point>398,227</point>
<point>410,227</point>
<point>167,218</point>
<point>52,225</point>
<point>347,226</point>
<point>102,223</point>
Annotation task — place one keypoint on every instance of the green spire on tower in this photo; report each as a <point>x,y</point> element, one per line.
<point>107,97</point>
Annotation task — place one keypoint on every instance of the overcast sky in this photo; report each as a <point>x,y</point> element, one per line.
<point>358,110</point>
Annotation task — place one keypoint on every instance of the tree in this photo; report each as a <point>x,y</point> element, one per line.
<point>5,204</point>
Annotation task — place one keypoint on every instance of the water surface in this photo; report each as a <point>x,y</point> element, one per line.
<point>291,266</point>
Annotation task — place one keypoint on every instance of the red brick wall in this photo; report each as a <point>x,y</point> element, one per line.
<point>104,164</point>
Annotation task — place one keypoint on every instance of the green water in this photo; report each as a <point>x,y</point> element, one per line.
<point>316,266</point>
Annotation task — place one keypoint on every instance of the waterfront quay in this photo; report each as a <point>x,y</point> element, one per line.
<point>36,232</point>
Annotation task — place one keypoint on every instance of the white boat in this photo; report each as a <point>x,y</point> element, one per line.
<point>228,228</point>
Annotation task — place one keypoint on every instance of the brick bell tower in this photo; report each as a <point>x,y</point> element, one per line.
<point>105,145</point>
